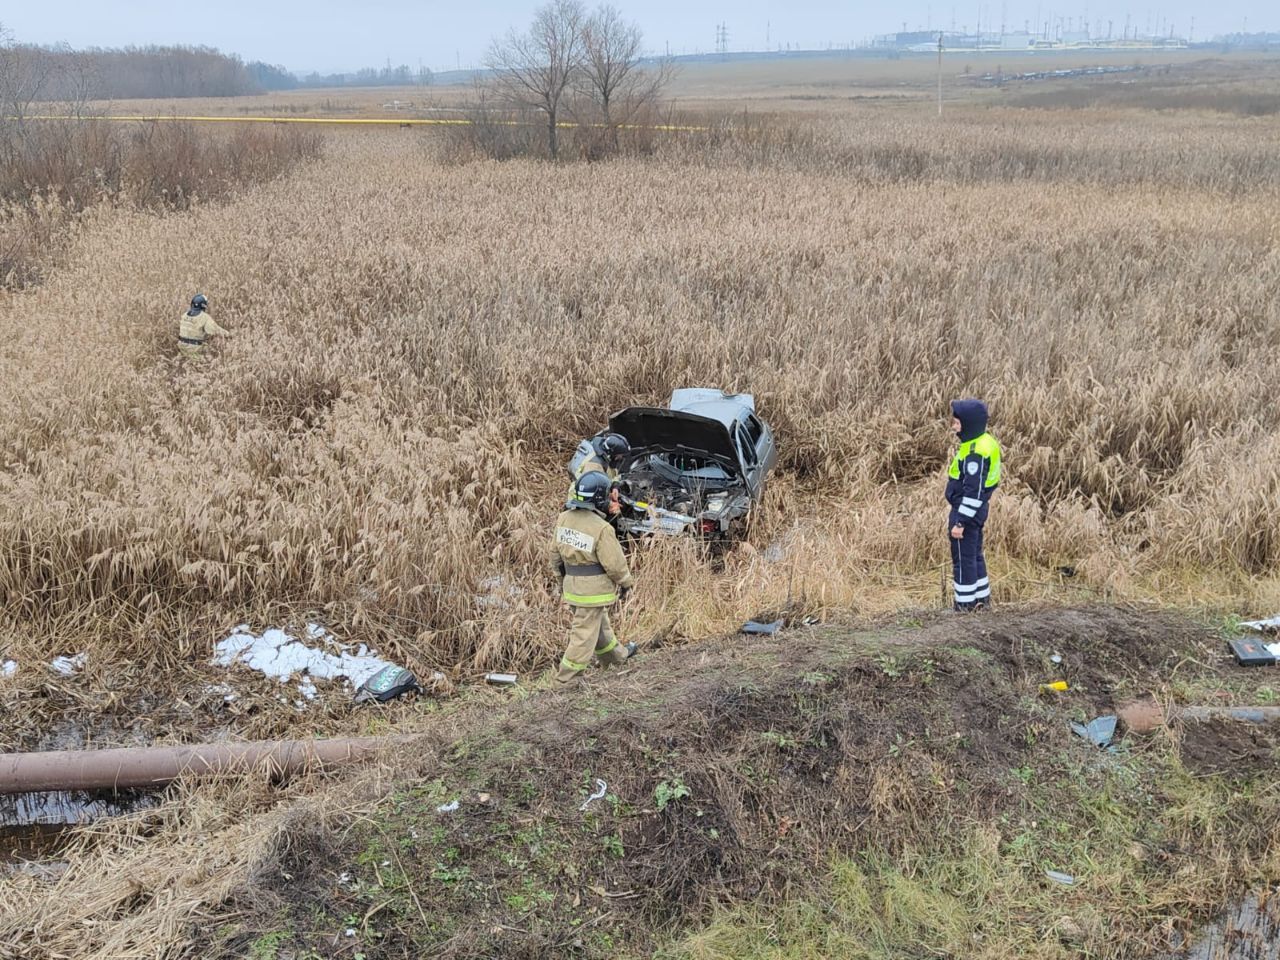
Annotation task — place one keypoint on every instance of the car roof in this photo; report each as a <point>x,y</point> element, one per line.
<point>726,408</point>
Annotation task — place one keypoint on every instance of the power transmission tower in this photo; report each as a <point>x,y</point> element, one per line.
<point>722,38</point>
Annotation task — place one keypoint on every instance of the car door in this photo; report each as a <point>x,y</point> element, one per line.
<point>749,457</point>
<point>766,447</point>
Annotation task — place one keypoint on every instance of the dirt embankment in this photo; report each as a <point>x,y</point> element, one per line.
<point>740,771</point>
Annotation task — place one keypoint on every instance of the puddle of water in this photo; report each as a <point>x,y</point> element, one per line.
<point>67,808</point>
<point>32,851</point>
<point>35,827</point>
<point>1250,931</point>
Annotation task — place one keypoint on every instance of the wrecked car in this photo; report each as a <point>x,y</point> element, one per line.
<point>697,466</point>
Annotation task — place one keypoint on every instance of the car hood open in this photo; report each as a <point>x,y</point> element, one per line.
<point>654,428</point>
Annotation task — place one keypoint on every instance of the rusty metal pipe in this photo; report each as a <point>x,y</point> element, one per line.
<point>133,767</point>
<point>1243,714</point>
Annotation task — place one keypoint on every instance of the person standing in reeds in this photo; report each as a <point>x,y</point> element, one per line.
<point>972,479</point>
<point>196,327</point>
<point>592,570</point>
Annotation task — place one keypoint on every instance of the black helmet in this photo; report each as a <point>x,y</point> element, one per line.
<point>613,447</point>
<point>199,302</point>
<point>591,492</point>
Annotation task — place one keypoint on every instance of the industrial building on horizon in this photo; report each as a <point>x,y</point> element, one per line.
<point>927,41</point>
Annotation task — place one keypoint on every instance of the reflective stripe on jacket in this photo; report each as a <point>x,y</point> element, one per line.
<point>586,554</point>
<point>973,477</point>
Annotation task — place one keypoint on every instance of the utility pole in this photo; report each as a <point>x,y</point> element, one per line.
<point>939,74</point>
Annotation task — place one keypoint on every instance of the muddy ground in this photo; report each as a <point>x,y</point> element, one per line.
<point>738,771</point>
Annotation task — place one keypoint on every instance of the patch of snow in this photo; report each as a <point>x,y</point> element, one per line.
<point>69,665</point>
<point>8,668</point>
<point>276,654</point>
<point>447,807</point>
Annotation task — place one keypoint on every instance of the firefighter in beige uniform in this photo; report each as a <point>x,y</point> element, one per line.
<point>593,573</point>
<point>604,453</point>
<point>196,326</point>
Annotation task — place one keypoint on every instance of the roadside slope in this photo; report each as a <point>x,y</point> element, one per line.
<point>748,776</point>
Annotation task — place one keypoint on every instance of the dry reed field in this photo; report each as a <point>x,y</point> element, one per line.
<point>419,344</point>
<point>418,347</point>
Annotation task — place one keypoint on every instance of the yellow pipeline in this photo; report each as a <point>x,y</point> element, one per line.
<point>384,121</point>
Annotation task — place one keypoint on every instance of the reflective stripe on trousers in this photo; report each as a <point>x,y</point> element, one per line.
<point>970,584</point>
<point>590,636</point>
<point>598,600</point>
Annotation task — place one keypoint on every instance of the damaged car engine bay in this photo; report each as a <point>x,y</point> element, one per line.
<point>697,466</point>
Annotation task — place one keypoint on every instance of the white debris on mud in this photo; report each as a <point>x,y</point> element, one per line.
<point>281,656</point>
<point>8,668</point>
<point>1263,626</point>
<point>69,665</point>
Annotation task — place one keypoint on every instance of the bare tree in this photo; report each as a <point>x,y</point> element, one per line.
<point>534,69</point>
<point>24,72</point>
<point>614,77</point>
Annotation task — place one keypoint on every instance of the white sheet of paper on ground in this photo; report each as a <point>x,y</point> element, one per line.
<point>69,665</point>
<point>282,656</point>
<point>1262,625</point>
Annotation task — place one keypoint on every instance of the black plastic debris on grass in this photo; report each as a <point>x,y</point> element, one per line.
<point>756,628</point>
<point>1100,732</point>
<point>389,683</point>
<point>1251,653</point>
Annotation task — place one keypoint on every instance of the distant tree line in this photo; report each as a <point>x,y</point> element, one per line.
<point>388,76</point>
<point>133,72</point>
<point>136,73</point>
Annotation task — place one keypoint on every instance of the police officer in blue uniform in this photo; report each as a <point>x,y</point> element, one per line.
<point>972,479</point>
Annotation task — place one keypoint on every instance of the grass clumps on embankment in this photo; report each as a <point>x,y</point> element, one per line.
<point>830,794</point>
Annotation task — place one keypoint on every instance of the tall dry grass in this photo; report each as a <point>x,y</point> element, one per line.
<point>51,172</point>
<point>420,344</point>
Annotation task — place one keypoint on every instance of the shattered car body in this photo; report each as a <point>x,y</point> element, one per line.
<point>698,465</point>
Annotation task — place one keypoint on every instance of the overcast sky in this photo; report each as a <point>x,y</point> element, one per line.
<point>331,35</point>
